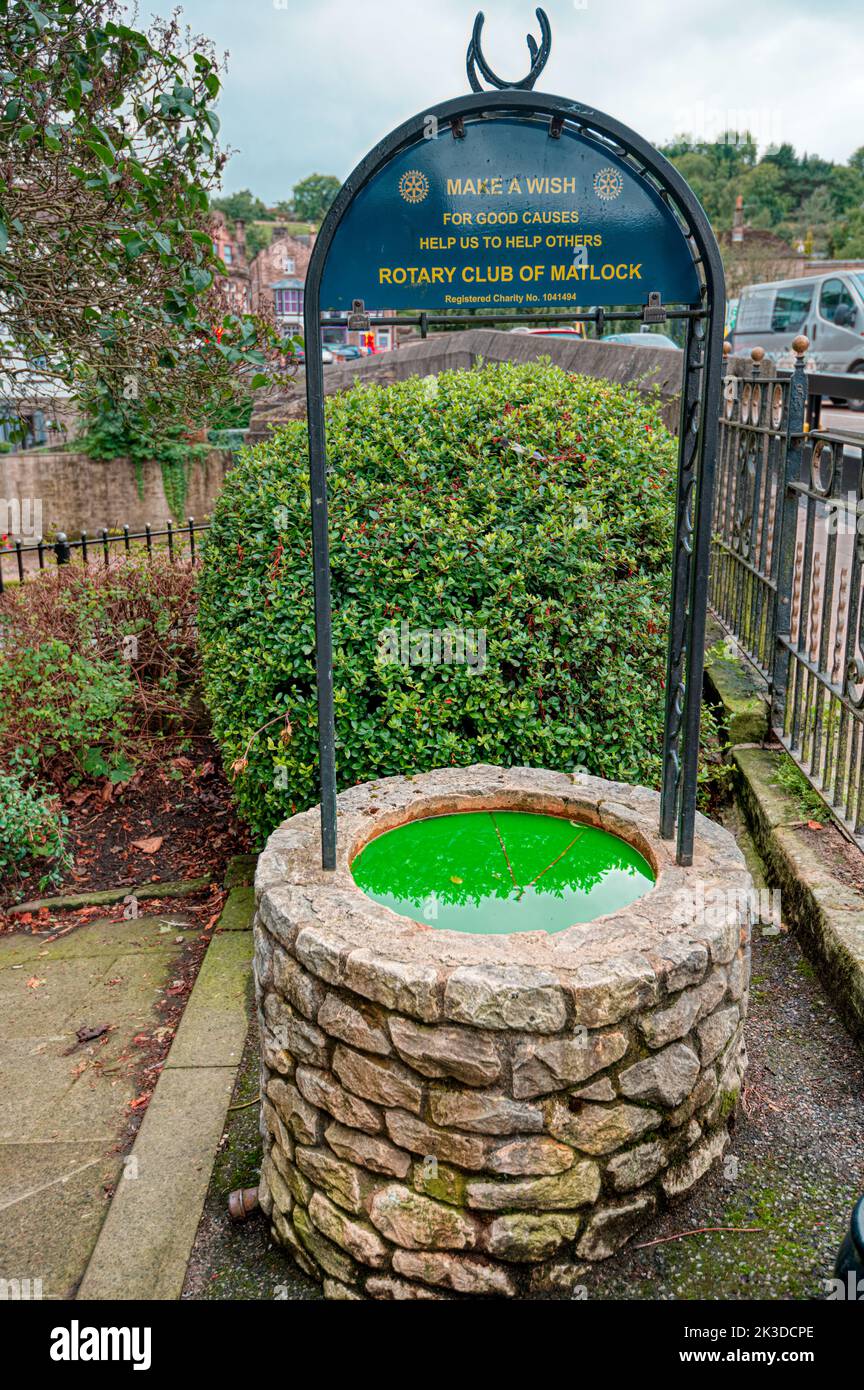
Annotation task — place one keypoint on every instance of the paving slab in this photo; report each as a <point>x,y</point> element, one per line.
<point>238,910</point>
<point>54,1202</point>
<point>103,937</point>
<point>213,1028</point>
<point>144,1245</point>
<point>63,1110</point>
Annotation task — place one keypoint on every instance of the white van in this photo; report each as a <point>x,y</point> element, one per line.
<point>828,308</point>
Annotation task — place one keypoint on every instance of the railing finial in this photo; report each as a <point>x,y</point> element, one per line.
<point>539,57</point>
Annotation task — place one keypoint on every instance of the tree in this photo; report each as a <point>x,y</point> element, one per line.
<point>241,207</point>
<point>108,277</point>
<point>766,198</point>
<point>848,241</point>
<point>313,196</point>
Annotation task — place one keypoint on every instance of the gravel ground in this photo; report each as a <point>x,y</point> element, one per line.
<point>797,1166</point>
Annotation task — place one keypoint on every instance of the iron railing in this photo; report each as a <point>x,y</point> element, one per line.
<point>787,567</point>
<point>177,542</point>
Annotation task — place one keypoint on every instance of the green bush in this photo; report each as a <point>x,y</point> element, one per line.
<point>65,707</point>
<point>516,499</point>
<point>31,828</point>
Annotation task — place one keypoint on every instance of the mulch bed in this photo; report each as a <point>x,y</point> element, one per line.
<point>845,860</point>
<point>171,821</point>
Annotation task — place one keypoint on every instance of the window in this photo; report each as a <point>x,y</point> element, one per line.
<point>754,311</point>
<point>289,302</point>
<point>791,308</point>
<point>288,265</point>
<point>227,253</point>
<point>836,296</point>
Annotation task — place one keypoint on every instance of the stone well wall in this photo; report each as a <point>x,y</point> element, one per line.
<point>447,1114</point>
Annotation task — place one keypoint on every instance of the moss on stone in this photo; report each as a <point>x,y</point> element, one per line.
<point>441,1181</point>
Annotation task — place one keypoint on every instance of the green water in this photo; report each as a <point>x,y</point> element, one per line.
<point>497,872</point>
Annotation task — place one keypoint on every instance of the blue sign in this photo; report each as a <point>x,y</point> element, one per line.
<point>507,218</point>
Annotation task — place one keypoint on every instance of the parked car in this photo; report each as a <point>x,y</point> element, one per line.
<point>298,357</point>
<point>345,352</point>
<point>657,340</point>
<point>827,308</point>
<point>577,331</point>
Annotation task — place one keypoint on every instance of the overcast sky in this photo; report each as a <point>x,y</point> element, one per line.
<point>313,84</point>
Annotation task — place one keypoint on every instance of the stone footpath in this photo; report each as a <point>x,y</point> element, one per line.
<point>143,1248</point>
<point>64,1114</point>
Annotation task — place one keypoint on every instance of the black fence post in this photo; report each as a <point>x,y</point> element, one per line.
<point>788,522</point>
<point>62,551</point>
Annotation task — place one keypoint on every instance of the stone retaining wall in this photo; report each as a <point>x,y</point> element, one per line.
<point>639,365</point>
<point>447,1114</point>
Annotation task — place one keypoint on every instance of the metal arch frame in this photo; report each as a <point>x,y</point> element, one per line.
<point>700,405</point>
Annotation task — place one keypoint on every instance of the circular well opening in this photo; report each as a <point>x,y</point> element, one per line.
<point>498,872</point>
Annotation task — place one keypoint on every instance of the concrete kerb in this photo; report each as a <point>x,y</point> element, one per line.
<point>144,1246</point>
<point>104,897</point>
<point>827,914</point>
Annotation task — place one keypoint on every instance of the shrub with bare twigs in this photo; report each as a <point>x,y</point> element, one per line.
<point>98,669</point>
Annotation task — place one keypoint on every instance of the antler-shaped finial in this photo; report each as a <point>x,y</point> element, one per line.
<point>539,56</point>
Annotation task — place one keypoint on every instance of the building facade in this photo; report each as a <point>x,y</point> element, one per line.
<point>230,246</point>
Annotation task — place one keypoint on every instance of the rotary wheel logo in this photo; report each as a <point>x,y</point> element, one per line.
<point>413,186</point>
<point>608,184</point>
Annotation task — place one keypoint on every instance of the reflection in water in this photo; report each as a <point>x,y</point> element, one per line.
<point>501,871</point>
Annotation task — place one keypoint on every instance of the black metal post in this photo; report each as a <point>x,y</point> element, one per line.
<point>695,642</point>
<point>688,441</point>
<point>788,520</point>
<point>321,573</point>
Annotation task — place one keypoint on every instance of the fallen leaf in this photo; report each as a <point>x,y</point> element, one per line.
<point>34,982</point>
<point>814,825</point>
<point>78,798</point>
<point>454,878</point>
<point>150,845</point>
<point>86,1034</point>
